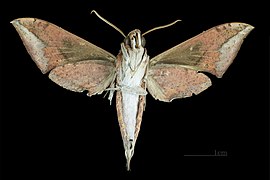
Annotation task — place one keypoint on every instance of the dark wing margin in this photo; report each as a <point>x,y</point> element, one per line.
<point>212,51</point>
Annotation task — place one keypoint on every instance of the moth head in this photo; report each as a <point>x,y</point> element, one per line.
<point>134,39</point>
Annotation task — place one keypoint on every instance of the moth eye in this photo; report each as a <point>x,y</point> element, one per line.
<point>143,41</point>
<point>127,41</point>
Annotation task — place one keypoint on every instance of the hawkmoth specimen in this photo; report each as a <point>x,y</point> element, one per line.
<point>79,65</point>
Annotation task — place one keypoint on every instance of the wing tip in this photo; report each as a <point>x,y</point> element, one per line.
<point>241,26</point>
<point>15,22</point>
<point>20,21</point>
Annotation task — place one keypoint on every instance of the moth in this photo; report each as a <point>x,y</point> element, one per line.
<point>78,65</point>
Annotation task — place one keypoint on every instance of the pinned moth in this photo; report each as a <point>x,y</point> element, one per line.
<point>79,65</point>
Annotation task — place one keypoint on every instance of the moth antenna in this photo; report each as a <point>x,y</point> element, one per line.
<point>106,21</point>
<point>161,27</point>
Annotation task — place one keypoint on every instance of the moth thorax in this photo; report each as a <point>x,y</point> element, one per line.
<point>135,39</point>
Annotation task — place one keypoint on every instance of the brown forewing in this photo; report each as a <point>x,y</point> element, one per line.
<point>50,45</point>
<point>211,51</point>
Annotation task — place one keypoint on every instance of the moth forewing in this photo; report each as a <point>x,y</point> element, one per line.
<point>211,51</point>
<point>51,46</point>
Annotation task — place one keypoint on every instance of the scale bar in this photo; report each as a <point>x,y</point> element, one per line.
<point>204,155</point>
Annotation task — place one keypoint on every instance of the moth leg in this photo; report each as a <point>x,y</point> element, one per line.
<point>124,51</point>
<point>110,97</point>
<point>112,88</point>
